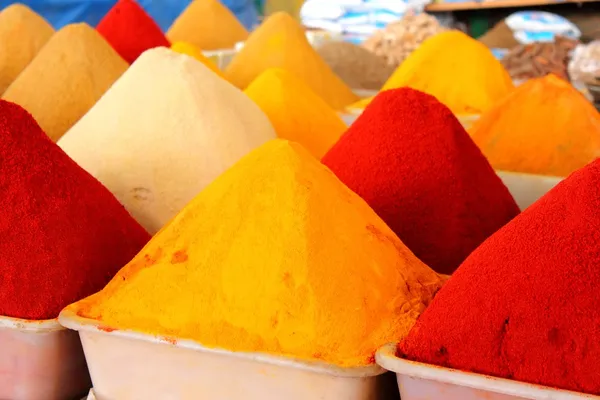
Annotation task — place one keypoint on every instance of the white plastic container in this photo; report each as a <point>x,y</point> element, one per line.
<point>418,381</point>
<point>40,360</point>
<point>127,365</point>
<point>526,189</point>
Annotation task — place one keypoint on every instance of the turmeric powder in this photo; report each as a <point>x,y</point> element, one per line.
<point>275,256</point>
<point>192,51</point>
<point>208,25</point>
<point>458,70</point>
<point>280,42</point>
<point>545,126</point>
<point>296,112</point>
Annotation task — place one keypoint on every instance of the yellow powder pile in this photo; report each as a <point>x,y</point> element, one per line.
<point>275,256</point>
<point>22,34</point>
<point>193,51</point>
<point>208,25</point>
<point>296,112</point>
<point>280,42</point>
<point>66,78</point>
<point>545,126</point>
<point>163,132</point>
<point>458,70</point>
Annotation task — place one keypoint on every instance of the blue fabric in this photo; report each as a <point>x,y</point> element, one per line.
<point>63,12</point>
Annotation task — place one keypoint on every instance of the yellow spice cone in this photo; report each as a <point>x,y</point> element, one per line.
<point>296,112</point>
<point>280,42</point>
<point>22,35</point>
<point>192,51</point>
<point>208,25</point>
<point>545,126</point>
<point>458,70</point>
<point>275,256</point>
<point>66,78</point>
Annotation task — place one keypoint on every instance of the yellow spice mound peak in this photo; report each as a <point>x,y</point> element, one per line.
<point>275,256</point>
<point>545,126</point>
<point>22,35</point>
<point>192,51</point>
<point>280,42</point>
<point>208,25</point>
<point>66,78</point>
<point>296,112</point>
<point>458,70</point>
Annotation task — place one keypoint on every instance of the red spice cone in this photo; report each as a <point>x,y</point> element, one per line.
<point>130,30</point>
<point>63,234</point>
<point>524,305</point>
<point>412,161</point>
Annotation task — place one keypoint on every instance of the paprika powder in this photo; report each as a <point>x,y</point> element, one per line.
<point>64,235</point>
<point>409,157</point>
<point>524,305</point>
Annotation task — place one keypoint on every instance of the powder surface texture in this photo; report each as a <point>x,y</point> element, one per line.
<point>193,51</point>
<point>164,131</point>
<point>296,112</point>
<point>208,25</point>
<point>545,126</point>
<point>276,256</point>
<point>524,305</point>
<point>280,42</point>
<point>22,34</point>
<point>130,30</point>
<point>455,68</point>
<point>412,161</point>
<point>64,236</point>
<point>66,78</point>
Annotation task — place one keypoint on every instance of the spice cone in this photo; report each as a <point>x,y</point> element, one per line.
<point>66,78</point>
<point>296,112</point>
<point>277,256</point>
<point>280,42</point>
<point>193,51</point>
<point>22,35</point>
<point>545,126</point>
<point>208,25</point>
<point>163,132</point>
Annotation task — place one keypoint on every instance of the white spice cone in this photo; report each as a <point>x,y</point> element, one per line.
<point>164,131</point>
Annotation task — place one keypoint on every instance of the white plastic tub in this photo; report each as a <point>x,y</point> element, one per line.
<point>526,189</point>
<point>127,365</point>
<point>418,381</point>
<point>40,360</point>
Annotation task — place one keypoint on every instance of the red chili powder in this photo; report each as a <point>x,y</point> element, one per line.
<point>64,235</point>
<point>524,305</point>
<point>130,30</point>
<point>412,161</point>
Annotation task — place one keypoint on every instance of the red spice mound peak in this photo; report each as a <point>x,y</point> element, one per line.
<point>524,305</point>
<point>412,161</point>
<point>130,30</point>
<point>63,234</point>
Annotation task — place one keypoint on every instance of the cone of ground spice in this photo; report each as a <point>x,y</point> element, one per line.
<point>296,112</point>
<point>193,51</point>
<point>66,78</point>
<point>280,42</point>
<point>64,235</point>
<point>163,132</point>
<point>130,30</point>
<point>455,68</point>
<point>255,254</point>
<point>545,126</point>
<point>208,25</point>
<point>409,157</point>
<point>22,35</point>
<point>524,305</point>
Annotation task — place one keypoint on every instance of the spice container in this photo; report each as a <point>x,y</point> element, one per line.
<point>526,189</point>
<point>40,360</point>
<point>126,365</point>
<point>418,381</point>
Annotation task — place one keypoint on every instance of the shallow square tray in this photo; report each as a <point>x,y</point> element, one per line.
<point>127,365</point>
<point>418,381</point>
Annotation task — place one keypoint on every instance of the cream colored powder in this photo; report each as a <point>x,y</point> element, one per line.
<point>22,35</point>
<point>66,78</point>
<point>163,132</point>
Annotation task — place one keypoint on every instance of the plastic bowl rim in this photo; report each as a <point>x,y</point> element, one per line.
<point>29,325</point>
